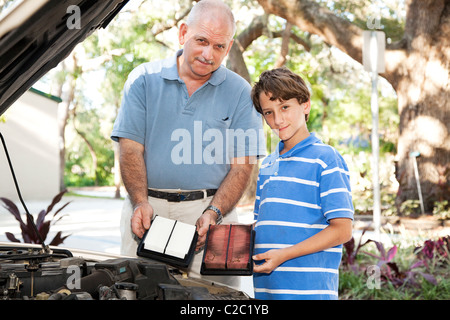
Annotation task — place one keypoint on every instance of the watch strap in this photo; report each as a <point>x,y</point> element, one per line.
<point>217,211</point>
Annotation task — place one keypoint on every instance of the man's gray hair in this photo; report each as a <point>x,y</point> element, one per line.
<point>202,7</point>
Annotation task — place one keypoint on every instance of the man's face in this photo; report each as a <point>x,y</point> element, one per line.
<point>206,44</point>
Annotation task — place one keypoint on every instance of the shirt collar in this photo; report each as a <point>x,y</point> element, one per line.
<point>302,144</point>
<point>170,71</point>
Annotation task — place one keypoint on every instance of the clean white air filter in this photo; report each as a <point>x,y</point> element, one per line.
<point>169,241</point>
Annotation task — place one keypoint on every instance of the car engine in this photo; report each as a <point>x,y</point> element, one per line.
<point>33,274</point>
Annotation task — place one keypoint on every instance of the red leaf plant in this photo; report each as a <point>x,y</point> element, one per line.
<point>43,226</point>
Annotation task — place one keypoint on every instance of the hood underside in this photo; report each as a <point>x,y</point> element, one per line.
<point>36,35</point>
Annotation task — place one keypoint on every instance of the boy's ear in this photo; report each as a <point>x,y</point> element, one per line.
<point>307,107</point>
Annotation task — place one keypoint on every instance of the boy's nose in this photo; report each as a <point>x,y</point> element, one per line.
<point>278,119</point>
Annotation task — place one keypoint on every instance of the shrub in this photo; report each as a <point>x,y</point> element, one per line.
<point>43,226</point>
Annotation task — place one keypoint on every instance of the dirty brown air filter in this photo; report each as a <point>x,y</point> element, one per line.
<point>228,250</point>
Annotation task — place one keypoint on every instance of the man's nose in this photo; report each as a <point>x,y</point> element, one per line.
<point>207,53</point>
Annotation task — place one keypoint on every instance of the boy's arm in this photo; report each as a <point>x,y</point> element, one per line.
<point>339,231</point>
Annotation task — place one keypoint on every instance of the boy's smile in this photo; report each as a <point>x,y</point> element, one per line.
<point>286,118</point>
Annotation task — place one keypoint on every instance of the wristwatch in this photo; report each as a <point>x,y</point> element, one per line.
<point>217,211</point>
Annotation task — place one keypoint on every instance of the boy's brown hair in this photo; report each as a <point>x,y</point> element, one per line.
<point>282,84</point>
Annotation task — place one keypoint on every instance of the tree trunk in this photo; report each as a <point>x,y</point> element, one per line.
<point>63,116</point>
<point>423,91</point>
<point>418,68</point>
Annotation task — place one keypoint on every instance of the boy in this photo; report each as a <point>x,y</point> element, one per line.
<point>303,207</point>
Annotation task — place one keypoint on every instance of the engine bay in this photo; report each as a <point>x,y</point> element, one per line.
<point>33,274</point>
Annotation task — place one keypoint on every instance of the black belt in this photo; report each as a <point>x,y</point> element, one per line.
<point>181,196</point>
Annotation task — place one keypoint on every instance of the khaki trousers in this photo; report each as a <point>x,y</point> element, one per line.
<point>185,211</point>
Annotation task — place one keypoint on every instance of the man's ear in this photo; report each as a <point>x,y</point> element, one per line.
<point>182,33</point>
<point>230,45</point>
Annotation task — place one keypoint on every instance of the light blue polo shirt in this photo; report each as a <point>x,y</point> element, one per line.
<point>188,141</point>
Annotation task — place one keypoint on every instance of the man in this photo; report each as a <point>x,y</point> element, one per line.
<point>188,133</point>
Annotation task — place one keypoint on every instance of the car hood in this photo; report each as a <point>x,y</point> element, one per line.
<point>37,34</point>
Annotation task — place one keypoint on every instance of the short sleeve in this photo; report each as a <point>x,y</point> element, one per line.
<point>335,191</point>
<point>131,119</point>
<point>246,130</point>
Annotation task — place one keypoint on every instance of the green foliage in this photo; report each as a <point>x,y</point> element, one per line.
<point>442,210</point>
<point>410,207</point>
<point>340,87</point>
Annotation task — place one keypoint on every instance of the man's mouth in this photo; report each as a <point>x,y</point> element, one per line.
<point>204,61</point>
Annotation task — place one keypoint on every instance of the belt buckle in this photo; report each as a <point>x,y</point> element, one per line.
<point>176,197</point>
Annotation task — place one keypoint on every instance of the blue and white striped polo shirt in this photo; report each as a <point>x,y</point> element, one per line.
<point>297,194</point>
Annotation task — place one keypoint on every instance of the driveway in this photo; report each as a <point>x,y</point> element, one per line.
<point>91,219</point>
<point>91,222</point>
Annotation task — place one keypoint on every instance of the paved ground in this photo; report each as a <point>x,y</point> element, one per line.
<point>91,222</point>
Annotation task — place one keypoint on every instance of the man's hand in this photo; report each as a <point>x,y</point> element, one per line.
<point>227,196</point>
<point>207,218</point>
<point>141,219</point>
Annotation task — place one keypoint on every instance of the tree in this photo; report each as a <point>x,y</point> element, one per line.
<point>417,67</point>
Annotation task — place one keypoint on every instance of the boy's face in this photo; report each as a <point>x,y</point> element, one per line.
<point>286,118</point>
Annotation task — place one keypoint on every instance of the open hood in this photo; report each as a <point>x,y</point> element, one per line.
<point>37,34</point>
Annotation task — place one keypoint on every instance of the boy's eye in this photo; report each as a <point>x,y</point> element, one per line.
<point>267,113</point>
<point>285,107</point>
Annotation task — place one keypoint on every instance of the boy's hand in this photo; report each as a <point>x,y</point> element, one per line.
<point>273,258</point>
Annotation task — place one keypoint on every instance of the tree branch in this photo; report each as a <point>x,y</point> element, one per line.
<point>255,29</point>
<point>286,35</point>
<point>313,18</point>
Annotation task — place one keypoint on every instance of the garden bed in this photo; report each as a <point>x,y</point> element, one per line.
<point>403,270</point>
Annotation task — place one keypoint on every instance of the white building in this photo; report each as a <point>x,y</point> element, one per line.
<point>31,134</point>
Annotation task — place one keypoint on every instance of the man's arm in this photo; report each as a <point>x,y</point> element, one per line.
<point>228,194</point>
<point>134,176</point>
